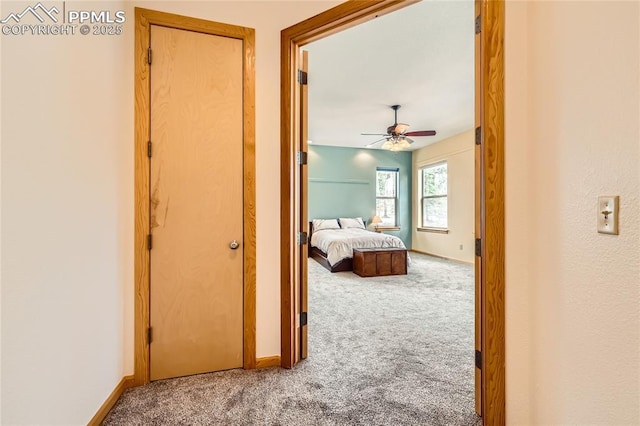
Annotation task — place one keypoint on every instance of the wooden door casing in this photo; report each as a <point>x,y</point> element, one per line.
<point>490,308</point>
<point>144,19</point>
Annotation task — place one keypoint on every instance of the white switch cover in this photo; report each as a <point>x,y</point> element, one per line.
<point>608,214</point>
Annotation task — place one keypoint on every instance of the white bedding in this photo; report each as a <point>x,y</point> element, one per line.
<point>339,243</point>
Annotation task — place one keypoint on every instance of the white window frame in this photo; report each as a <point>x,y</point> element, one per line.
<point>424,197</point>
<point>396,170</point>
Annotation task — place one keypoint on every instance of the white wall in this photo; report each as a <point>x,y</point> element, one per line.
<point>458,151</point>
<point>0,232</point>
<point>66,248</point>
<point>572,133</point>
<point>67,206</point>
<point>518,266</point>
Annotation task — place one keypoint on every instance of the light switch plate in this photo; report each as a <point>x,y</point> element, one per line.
<point>608,214</point>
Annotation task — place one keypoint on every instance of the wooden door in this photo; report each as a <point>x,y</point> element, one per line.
<point>300,252</point>
<point>304,205</point>
<point>478,220</point>
<point>196,205</point>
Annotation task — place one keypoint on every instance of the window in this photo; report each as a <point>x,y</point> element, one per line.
<point>387,196</point>
<point>434,196</point>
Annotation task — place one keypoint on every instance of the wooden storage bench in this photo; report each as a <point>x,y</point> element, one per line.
<point>376,262</point>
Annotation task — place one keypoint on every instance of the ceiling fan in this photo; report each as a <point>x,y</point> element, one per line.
<point>396,138</point>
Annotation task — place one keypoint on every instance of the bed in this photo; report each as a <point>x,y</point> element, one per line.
<point>333,246</point>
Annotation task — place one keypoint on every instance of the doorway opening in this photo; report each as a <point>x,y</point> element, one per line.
<point>391,159</point>
<point>489,211</point>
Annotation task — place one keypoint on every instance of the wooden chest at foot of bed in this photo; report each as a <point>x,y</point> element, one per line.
<point>376,262</point>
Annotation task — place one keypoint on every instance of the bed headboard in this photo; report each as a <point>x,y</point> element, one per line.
<point>310,230</point>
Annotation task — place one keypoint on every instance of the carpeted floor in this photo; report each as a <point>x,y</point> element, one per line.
<point>382,351</point>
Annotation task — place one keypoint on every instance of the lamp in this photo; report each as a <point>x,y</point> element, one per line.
<point>375,221</point>
<point>396,143</point>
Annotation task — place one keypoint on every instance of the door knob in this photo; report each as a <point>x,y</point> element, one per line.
<point>234,245</point>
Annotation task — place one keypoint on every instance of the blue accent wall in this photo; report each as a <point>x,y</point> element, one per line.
<point>342,184</point>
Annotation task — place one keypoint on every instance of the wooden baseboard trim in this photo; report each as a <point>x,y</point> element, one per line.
<point>268,361</point>
<point>442,257</point>
<point>126,383</point>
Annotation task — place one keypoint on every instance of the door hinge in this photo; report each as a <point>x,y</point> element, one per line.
<point>149,335</point>
<point>303,319</point>
<point>302,238</point>
<point>301,157</point>
<point>478,359</point>
<point>478,135</point>
<point>149,55</point>
<point>302,77</point>
<point>149,149</point>
<point>478,247</point>
<point>478,24</point>
<point>149,241</point>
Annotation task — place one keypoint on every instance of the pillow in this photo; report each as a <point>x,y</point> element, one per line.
<point>320,224</point>
<point>356,222</point>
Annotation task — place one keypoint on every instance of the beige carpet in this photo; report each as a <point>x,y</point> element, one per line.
<point>383,351</point>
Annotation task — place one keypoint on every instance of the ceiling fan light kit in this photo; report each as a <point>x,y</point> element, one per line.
<point>395,144</point>
<point>396,137</point>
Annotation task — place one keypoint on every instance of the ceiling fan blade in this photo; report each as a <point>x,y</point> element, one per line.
<point>421,133</point>
<point>374,134</point>
<point>401,128</point>
<point>376,142</point>
<point>409,140</point>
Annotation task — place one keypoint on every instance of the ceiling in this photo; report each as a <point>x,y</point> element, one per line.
<point>420,57</point>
